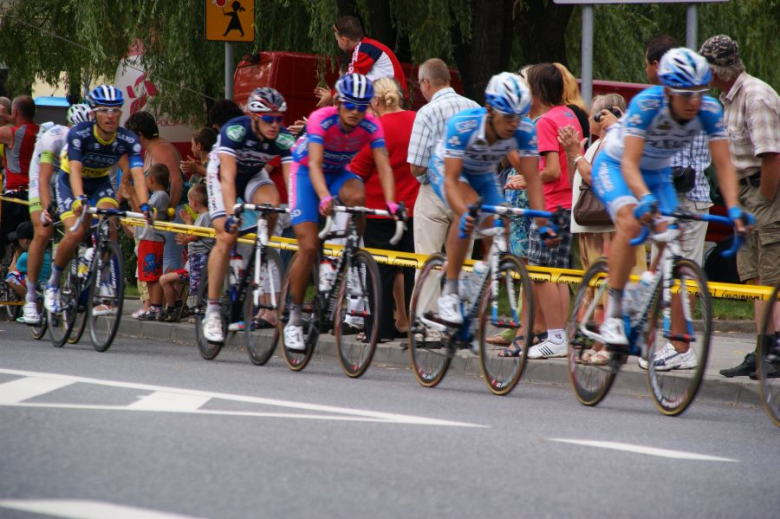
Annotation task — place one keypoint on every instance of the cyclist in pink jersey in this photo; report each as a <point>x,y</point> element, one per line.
<point>319,175</point>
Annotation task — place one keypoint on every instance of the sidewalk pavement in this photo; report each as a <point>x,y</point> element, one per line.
<point>731,341</point>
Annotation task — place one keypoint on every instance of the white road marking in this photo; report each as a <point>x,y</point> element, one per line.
<point>23,389</point>
<point>173,402</point>
<point>638,449</point>
<point>360,413</point>
<point>73,509</point>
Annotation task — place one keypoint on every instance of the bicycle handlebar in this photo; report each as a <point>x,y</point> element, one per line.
<point>399,224</point>
<point>260,208</point>
<point>476,208</point>
<point>103,212</point>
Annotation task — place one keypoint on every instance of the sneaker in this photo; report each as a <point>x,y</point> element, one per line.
<point>613,332</point>
<point>747,367</point>
<point>449,309</point>
<point>293,338</point>
<point>150,315</point>
<point>669,358</point>
<point>30,313</point>
<point>138,313</point>
<point>171,315</point>
<point>51,299</point>
<point>239,326</point>
<point>212,329</point>
<point>548,350</point>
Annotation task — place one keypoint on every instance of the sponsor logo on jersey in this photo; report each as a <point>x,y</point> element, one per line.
<point>77,143</point>
<point>369,126</point>
<point>235,132</point>
<point>454,141</point>
<point>466,126</point>
<point>710,106</point>
<point>635,120</point>
<point>649,104</point>
<point>526,126</point>
<point>327,123</point>
<point>285,141</point>
<point>136,148</point>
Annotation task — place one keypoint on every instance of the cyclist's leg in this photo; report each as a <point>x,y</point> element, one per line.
<point>67,246</point>
<point>262,190</point>
<point>352,193</point>
<point>304,210</point>
<point>220,254</point>
<point>35,258</point>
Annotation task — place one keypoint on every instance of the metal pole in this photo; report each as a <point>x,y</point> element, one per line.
<point>691,27</point>
<point>228,70</point>
<point>587,53</point>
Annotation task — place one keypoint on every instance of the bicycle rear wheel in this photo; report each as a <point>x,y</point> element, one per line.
<point>311,315</point>
<point>359,305</point>
<point>106,296</point>
<point>429,349</point>
<point>79,325</point>
<point>501,368</point>
<point>39,330</point>
<point>590,382</point>
<point>769,358</point>
<point>261,342</point>
<point>60,325</point>
<point>209,350</point>
<point>674,390</point>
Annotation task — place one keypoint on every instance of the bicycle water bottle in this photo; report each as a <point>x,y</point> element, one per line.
<point>327,274</point>
<point>464,285</point>
<point>644,288</point>
<point>85,261</point>
<point>479,272</point>
<point>236,264</point>
<point>630,299</point>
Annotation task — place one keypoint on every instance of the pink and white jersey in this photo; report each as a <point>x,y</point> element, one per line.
<point>339,146</point>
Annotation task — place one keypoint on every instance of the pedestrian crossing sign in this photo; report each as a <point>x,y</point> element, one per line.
<point>230,20</point>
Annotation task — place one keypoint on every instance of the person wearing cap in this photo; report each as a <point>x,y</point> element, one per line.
<point>751,113</point>
<point>17,273</point>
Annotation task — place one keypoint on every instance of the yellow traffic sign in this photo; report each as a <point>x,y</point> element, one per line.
<point>230,20</point>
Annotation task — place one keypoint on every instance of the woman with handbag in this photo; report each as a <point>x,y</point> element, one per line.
<point>589,217</point>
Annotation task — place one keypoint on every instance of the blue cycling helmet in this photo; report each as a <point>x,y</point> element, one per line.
<point>683,68</point>
<point>105,95</point>
<point>355,88</point>
<point>79,113</point>
<point>507,94</point>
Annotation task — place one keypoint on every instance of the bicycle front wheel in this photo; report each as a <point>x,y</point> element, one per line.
<point>61,324</point>
<point>676,364</point>
<point>79,325</point>
<point>510,305</point>
<point>39,330</point>
<point>311,315</point>
<point>106,296</point>
<point>260,339</point>
<point>591,382</point>
<point>429,348</point>
<point>769,358</point>
<point>359,306</point>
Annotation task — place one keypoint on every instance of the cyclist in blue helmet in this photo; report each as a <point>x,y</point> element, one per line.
<point>464,164</point>
<point>632,172</point>
<point>93,148</point>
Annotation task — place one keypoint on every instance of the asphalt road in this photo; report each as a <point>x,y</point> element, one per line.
<point>150,428</point>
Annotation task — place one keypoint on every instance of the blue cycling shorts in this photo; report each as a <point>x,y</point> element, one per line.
<point>304,201</point>
<point>485,185</point>
<point>98,190</point>
<point>611,188</point>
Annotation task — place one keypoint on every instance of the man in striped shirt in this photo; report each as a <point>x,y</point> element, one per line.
<point>431,217</point>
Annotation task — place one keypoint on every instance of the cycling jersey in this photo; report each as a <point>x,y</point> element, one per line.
<point>98,156</point>
<point>18,156</point>
<point>465,140</point>
<point>649,117</point>
<point>374,60</point>
<point>48,148</point>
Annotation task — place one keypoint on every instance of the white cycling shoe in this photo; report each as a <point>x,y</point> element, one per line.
<point>293,338</point>
<point>212,329</point>
<point>449,309</point>
<point>30,313</point>
<point>51,299</point>
<point>613,331</point>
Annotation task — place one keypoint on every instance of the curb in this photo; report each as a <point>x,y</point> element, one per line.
<point>632,381</point>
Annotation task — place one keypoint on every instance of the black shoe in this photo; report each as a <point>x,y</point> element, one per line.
<point>747,367</point>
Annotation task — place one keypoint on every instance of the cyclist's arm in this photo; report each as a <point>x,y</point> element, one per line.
<point>76,183</point>
<point>386,178</point>
<point>44,178</point>
<point>724,168</point>
<point>286,173</point>
<point>629,165</point>
<point>528,167</point>
<point>316,152</point>
<point>227,175</point>
<point>452,170</point>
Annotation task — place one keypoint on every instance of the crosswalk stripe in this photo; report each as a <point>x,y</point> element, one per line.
<point>639,449</point>
<point>26,388</point>
<point>81,509</point>
<point>166,401</point>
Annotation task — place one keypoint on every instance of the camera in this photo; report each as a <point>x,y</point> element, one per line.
<point>614,111</point>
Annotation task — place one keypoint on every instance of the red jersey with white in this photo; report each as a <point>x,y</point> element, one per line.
<point>19,154</point>
<point>558,192</point>
<point>374,60</point>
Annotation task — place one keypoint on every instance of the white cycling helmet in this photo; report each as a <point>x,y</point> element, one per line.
<point>266,99</point>
<point>507,94</point>
<point>79,113</point>
<point>683,68</point>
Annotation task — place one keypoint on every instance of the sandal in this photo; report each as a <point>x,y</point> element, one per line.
<point>515,350</point>
<point>601,358</point>
<point>261,324</point>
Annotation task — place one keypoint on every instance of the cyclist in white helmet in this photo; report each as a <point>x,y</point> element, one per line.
<point>632,172</point>
<point>45,163</point>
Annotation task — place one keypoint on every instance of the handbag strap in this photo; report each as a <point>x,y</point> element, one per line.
<point>584,185</point>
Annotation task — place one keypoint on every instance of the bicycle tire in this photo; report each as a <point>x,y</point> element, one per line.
<point>502,373</point>
<point>359,286</point>
<point>208,350</point>
<point>60,326</point>
<point>103,328</point>
<point>296,360</point>
<point>79,325</point>
<point>430,359</point>
<point>591,383</point>
<point>769,361</point>
<point>674,391</point>
<point>260,344</point>
<point>39,330</point>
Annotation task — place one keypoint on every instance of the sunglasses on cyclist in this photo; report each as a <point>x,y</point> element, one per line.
<point>108,111</point>
<point>271,119</point>
<point>512,118</point>
<point>689,94</point>
<point>353,106</point>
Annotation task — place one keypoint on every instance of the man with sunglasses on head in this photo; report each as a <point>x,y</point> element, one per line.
<point>319,176</point>
<point>632,175</point>
<point>44,167</point>
<point>464,165</point>
<point>93,148</point>
<point>246,145</point>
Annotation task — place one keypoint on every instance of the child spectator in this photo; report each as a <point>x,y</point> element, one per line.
<point>198,249</point>
<point>152,243</point>
<point>195,165</point>
<point>17,273</point>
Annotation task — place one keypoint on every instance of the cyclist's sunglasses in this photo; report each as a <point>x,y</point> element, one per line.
<point>689,94</point>
<point>108,111</point>
<point>270,119</point>
<point>512,118</point>
<point>352,106</point>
